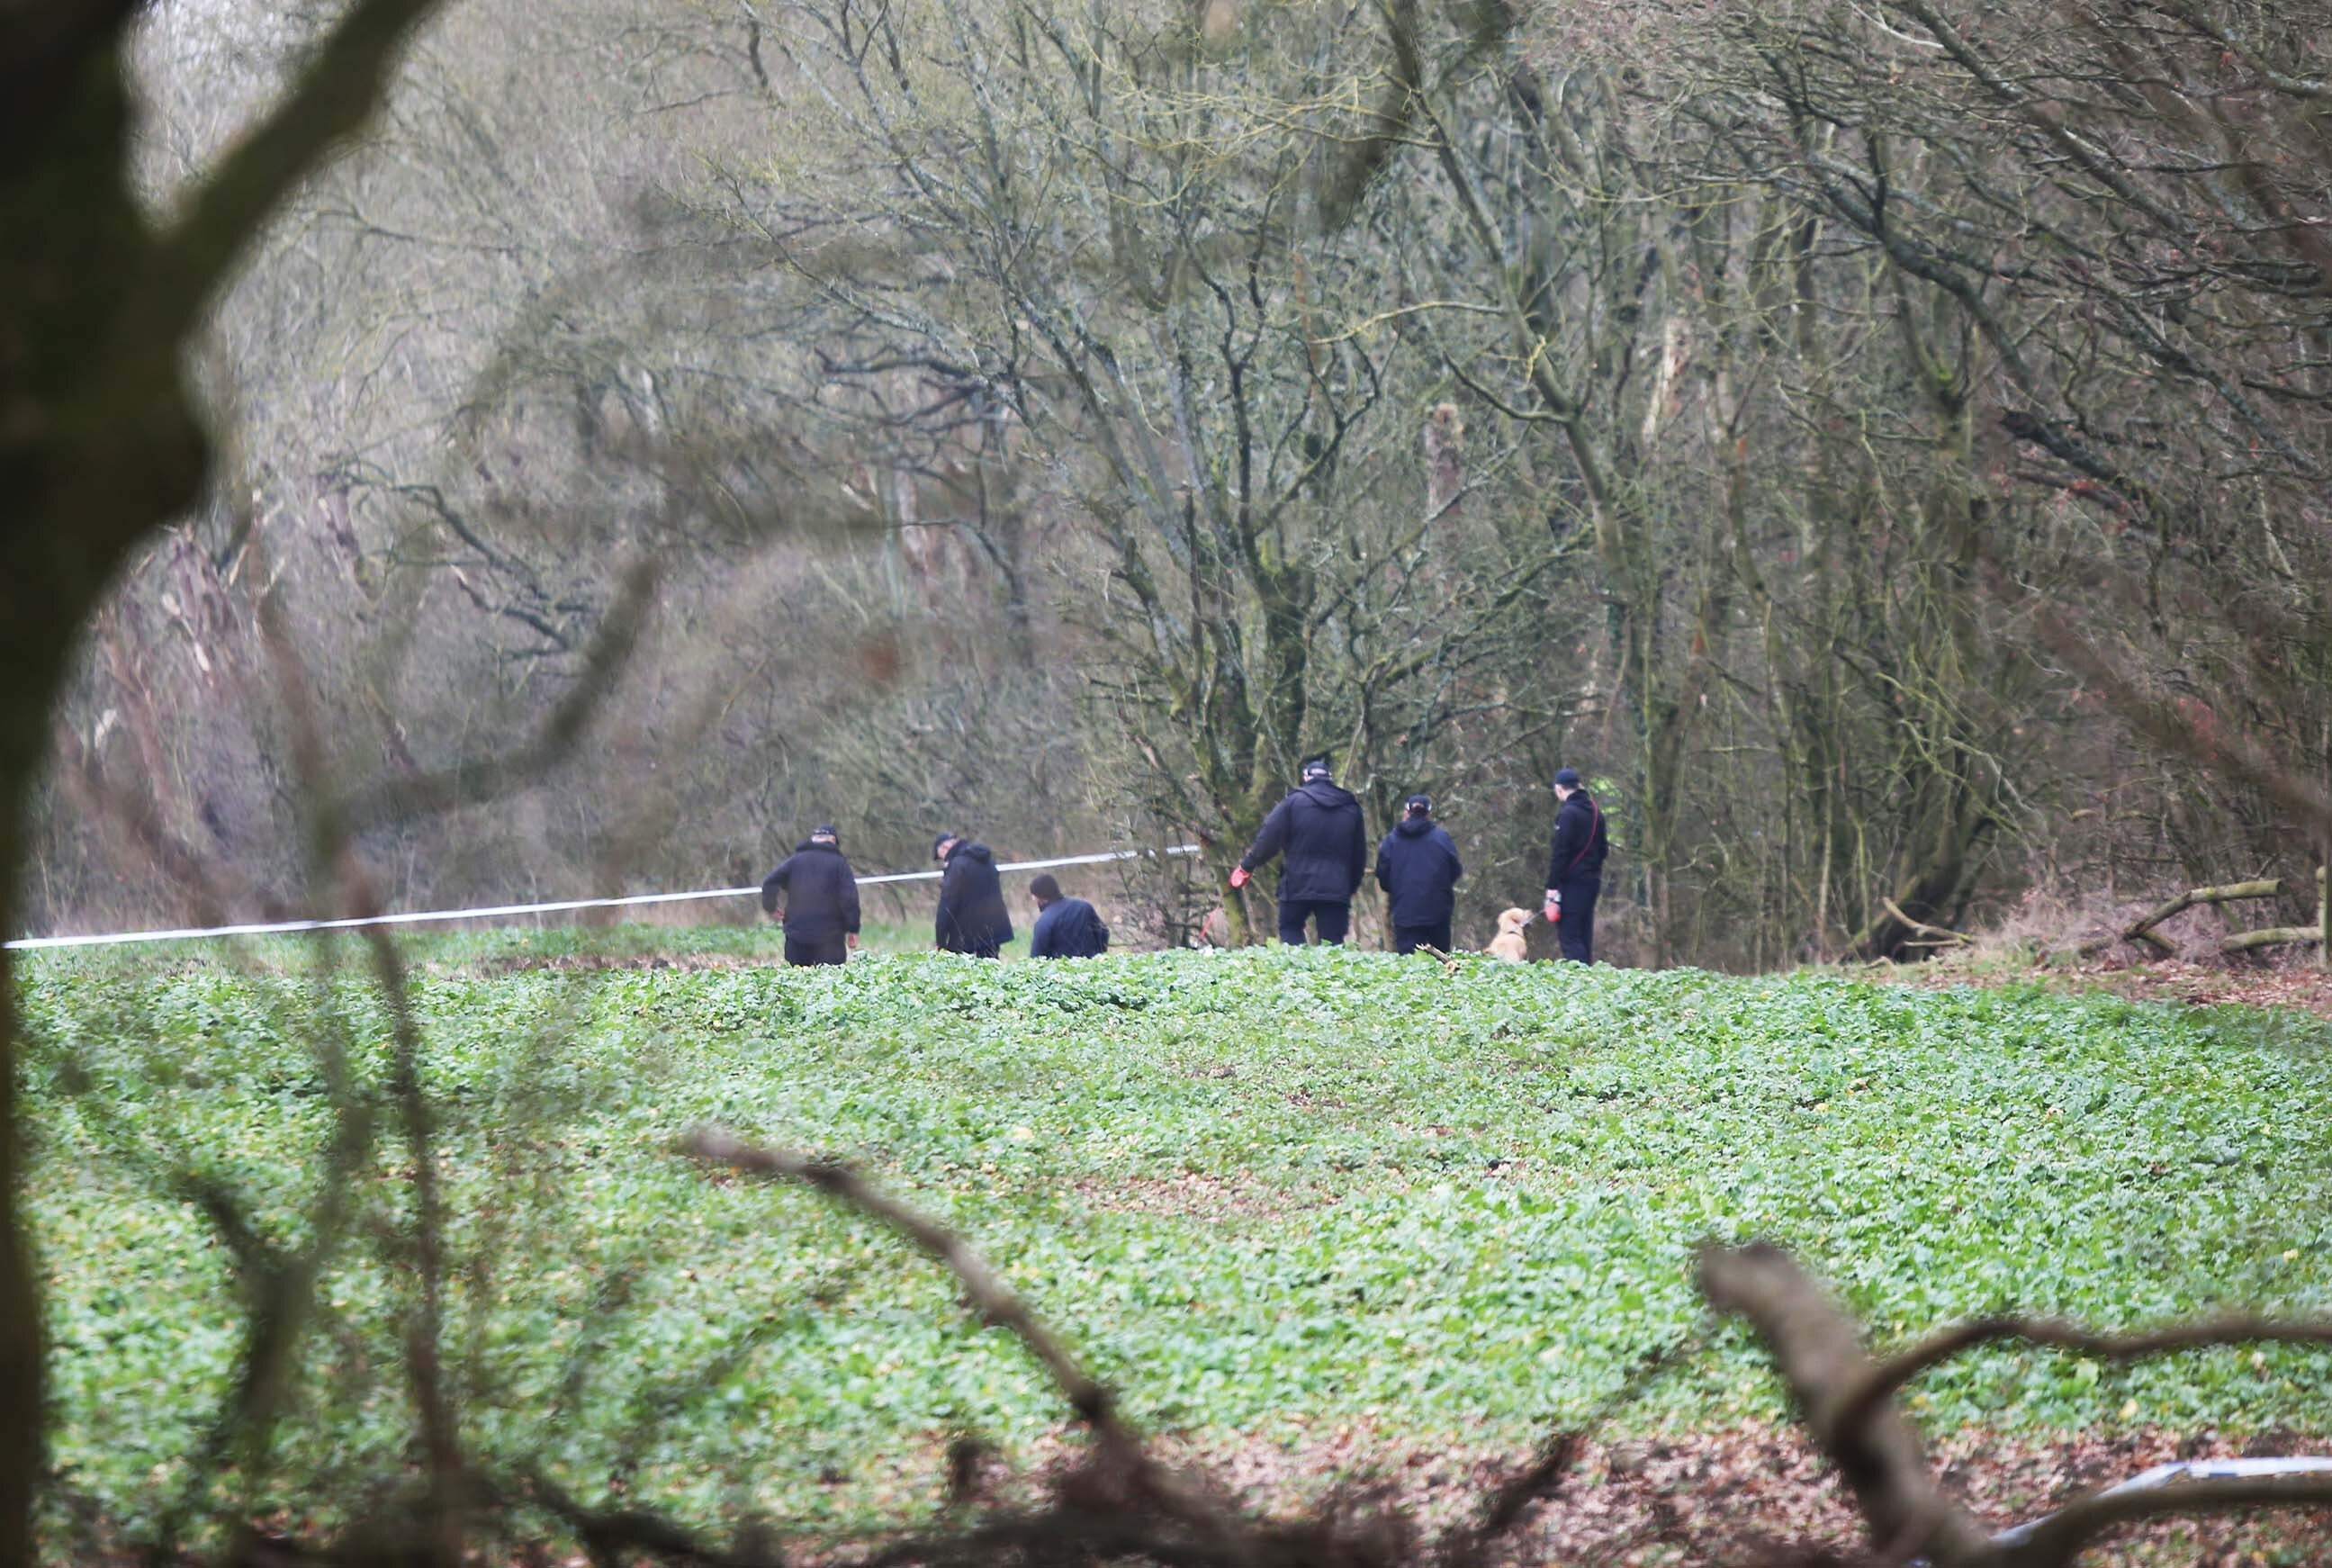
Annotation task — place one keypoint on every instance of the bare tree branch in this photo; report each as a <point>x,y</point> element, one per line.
<point>2057,1540</point>
<point>1819,1354</point>
<point>484,777</point>
<point>343,84</point>
<point>990,1297</point>
<point>1880,1383</point>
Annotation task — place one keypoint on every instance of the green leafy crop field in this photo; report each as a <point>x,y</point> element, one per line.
<point>1264,1193</point>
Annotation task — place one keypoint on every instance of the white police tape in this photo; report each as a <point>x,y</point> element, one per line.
<point>556,906</point>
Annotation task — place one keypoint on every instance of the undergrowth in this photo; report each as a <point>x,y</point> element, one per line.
<point>1265,1194</point>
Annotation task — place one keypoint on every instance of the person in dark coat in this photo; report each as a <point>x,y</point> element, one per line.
<point>1418,868</point>
<point>971,918</point>
<point>815,896</point>
<point>1319,828</point>
<point>1065,927</point>
<point>1574,870</point>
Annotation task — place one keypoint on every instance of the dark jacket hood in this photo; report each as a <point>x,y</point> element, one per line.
<point>971,916</point>
<point>816,891</point>
<point>1318,828</point>
<point>1418,868</point>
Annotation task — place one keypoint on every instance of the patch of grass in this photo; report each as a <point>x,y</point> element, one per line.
<point>1265,1193</point>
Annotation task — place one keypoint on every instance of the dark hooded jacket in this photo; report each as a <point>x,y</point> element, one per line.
<point>1418,868</point>
<point>1319,827</point>
<point>1068,928</point>
<point>815,886</point>
<point>1581,842</point>
<point>972,917</point>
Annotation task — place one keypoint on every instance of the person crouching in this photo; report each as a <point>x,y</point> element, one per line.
<point>1065,927</point>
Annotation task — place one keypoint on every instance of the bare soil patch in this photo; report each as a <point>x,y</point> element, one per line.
<point>1199,1196</point>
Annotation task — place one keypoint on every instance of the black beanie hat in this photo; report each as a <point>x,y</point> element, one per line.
<point>1316,765</point>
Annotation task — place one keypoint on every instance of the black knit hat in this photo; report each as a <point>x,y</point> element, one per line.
<point>1566,777</point>
<point>940,842</point>
<point>825,831</point>
<point>1418,804</point>
<point>1315,766</point>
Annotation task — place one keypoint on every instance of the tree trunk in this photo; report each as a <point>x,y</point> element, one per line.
<point>99,447</point>
<point>96,448</point>
<point>21,1340</point>
<point>2323,911</point>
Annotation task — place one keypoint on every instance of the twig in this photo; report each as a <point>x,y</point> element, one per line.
<point>347,77</point>
<point>608,1537</point>
<point>1132,1474</point>
<point>1889,1375</point>
<point>482,777</point>
<point>333,847</point>
<point>2058,1539</point>
<point>1819,1354</point>
<point>991,1298</point>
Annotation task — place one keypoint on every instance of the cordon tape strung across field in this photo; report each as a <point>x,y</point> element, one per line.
<point>498,911</point>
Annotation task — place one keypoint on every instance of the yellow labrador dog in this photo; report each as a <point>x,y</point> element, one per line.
<point>1506,947</point>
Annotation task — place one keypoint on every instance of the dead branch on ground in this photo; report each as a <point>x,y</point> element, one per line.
<point>1846,1401</point>
<point>2141,929</point>
<point>1123,1504</point>
<point>1939,934</point>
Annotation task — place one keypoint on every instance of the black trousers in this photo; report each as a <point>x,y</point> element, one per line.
<point>1335,917</point>
<point>804,954</point>
<point>1576,930</point>
<point>1410,938</point>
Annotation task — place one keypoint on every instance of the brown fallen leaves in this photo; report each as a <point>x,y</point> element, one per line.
<point>1750,1497</point>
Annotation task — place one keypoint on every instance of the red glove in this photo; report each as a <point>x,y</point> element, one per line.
<point>1239,874</point>
<point>1553,910</point>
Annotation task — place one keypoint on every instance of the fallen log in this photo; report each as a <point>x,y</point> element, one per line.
<point>2142,929</point>
<point>2271,936</point>
<point>1941,938</point>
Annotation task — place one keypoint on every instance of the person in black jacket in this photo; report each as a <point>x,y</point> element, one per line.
<point>1319,827</point>
<point>1574,870</point>
<point>815,896</point>
<point>1418,868</point>
<point>1065,927</point>
<point>972,918</point>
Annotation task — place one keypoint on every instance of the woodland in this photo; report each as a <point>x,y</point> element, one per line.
<point>1883,450</point>
<point>497,449</point>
